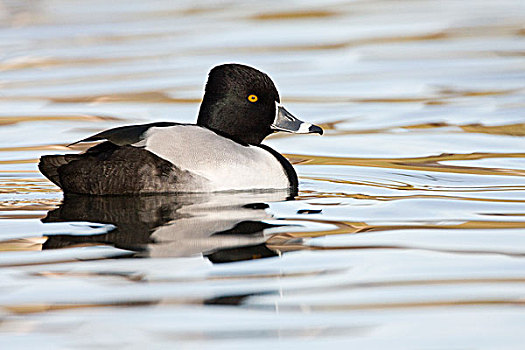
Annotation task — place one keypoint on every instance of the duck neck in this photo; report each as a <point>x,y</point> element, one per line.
<point>221,119</point>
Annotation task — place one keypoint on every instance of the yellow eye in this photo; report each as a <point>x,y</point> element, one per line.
<point>253,98</point>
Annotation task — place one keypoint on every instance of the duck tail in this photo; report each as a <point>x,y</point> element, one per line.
<point>49,166</point>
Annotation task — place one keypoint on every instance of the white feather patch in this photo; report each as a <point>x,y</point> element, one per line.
<point>226,164</point>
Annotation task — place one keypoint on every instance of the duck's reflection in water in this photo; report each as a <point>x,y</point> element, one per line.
<point>222,227</point>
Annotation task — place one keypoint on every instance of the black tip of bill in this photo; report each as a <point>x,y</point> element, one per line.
<point>314,129</point>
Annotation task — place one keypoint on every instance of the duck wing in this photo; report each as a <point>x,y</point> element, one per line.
<point>125,135</point>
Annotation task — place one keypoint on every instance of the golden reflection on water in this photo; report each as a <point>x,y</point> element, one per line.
<point>425,164</point>
<point>26,62</point>
<point>25,185</point>
<point>516,129</point>
<point>44,308</point>
<point>281,15</point>
<point>135,97</point>
<point>511,129</point>
<point>438,98</point>
<point>4,121</point>
<point>384,198</point>
<point>349,227</point>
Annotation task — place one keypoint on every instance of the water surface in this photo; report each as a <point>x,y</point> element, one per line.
<point>408,230</point>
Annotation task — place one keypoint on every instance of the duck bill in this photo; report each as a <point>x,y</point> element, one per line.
<point>285,121</point>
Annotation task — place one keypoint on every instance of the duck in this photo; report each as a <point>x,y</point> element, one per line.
<point>223,151</point>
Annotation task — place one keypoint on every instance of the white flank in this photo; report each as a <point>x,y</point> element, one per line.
<point>226,164</point>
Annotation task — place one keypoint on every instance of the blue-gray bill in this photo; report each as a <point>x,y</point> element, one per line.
<point>285,121</point>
